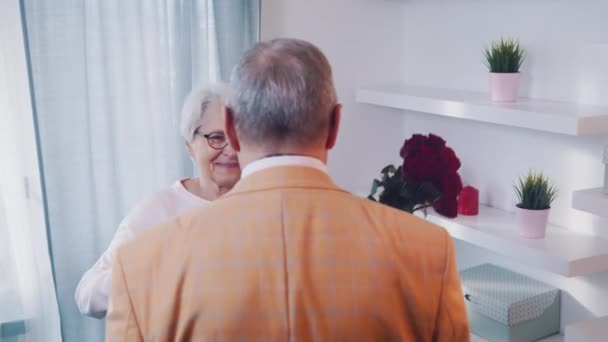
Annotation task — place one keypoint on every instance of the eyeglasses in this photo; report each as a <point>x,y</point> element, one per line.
<point>216,140</point>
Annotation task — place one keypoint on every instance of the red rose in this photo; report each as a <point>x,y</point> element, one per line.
<point>446,206</point>
<point>421,165</point>
<point>419,169</point>
<point>428,159</point>
<point>412,144</point>
<point>449,185</point>
<point>436,142</point>
<point>449,161</point>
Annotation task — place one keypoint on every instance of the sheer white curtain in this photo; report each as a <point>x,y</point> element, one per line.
<point>28,306</point>
<point>109,78</point>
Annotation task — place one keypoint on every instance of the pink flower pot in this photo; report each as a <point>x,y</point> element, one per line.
<point>532,224</point>
<point>504,86</point>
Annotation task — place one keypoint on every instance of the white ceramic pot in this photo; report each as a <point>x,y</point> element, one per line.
<point>504,86</point>
<point>532,224</point>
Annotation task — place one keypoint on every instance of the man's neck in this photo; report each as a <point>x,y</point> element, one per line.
<point>248,156</point>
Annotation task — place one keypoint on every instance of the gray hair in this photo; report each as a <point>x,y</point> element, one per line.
<point>196,105</point>
<point>282,92</point>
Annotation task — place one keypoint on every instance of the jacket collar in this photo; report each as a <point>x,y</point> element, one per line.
<point>283,177</point>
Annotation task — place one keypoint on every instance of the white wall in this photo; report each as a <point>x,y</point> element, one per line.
<point>439,43</point>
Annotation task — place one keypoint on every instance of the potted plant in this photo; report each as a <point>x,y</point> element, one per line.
<point>503,59</point>
<point>535,196</point>
<point>428,178</point>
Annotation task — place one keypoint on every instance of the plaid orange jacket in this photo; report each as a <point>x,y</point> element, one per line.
<point>285,256</point>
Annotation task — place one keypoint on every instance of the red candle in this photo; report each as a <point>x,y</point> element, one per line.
<point>468,201</point>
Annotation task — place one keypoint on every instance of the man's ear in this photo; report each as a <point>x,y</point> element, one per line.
<point>230,129</point>
<point>334,125</point>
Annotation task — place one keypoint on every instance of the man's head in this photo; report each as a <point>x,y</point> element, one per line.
<point>283,101</point>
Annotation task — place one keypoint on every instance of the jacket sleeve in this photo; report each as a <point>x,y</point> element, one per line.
<point>121,323</point>
<point>451,323</point>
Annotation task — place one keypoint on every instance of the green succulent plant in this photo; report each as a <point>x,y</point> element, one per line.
<point>534,192</point>
<point>504,56</point>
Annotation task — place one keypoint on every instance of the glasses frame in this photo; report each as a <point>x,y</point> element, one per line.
<point>209,135</point>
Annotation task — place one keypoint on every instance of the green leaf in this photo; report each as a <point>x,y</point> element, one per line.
<point>427,193</point>
<point>405,192</point>
<point>388,169</point>
<point>407,206</point>
<point>375,185</point>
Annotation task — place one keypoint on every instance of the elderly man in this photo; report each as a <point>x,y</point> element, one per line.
<point>286,254</point>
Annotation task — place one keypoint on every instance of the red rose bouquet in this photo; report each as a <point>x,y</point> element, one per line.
<point>428,177</point>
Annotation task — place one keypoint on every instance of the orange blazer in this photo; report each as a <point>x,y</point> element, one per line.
<point>288,256</point>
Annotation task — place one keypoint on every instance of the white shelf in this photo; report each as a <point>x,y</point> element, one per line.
<point>562,251</point>
<point>595,330</point>
<point>591,200</point>
<point>554,338</point>
<point>549,116</point>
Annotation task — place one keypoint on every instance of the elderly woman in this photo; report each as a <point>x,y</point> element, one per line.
<point>202,127</point>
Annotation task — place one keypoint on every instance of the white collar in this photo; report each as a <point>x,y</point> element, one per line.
<point>275,161</point>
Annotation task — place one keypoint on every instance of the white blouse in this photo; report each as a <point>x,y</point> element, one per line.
<point>93,290</point>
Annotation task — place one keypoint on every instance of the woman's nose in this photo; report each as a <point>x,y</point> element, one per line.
<point>229,151</point>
